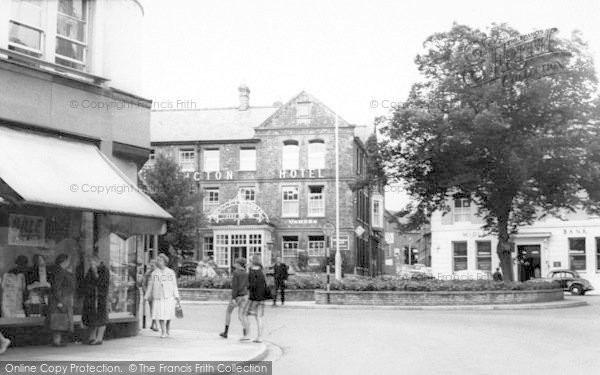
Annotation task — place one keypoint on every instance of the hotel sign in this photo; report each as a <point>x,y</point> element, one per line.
<point>210,176</point>
<point>344,243</point>
<point>25,230</point>
<point>301,173</point>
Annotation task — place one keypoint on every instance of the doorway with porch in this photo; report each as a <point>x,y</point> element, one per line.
<point>529,260</point>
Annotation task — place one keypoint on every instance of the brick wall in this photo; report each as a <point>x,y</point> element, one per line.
<point>192,294</point>
<point>439,298</point>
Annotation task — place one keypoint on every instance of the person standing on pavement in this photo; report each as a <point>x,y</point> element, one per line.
<point>95,303</point>
<point>258,293</point>
<point>280,273</point>
<point>147,276</point>
<point>62,293</point>
<point>239,295</point>
<point>163,291</point>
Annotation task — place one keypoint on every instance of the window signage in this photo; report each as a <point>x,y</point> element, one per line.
<point>301,173</point>
<point>25,230</point>
<point>344,243</point>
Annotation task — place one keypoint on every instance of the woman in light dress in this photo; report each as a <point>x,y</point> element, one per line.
<point>162,290</point>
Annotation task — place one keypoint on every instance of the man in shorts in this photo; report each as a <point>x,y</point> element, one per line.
<point>239,295</point>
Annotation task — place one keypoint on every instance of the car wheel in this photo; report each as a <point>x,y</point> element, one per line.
<point>575,290</point>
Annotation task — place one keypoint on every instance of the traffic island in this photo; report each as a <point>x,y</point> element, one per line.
<point>438,298</point>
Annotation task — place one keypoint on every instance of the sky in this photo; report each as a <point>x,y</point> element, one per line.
<point>357,57</point>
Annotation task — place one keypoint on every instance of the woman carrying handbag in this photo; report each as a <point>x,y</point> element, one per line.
<point>163,291</point>
<point>62,293</point>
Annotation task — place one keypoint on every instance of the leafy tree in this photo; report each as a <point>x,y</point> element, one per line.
<point>173,191</point>
<point>518,148</point>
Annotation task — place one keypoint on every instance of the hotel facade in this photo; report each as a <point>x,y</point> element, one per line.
<point>571,241</point>
<point>267,178</point>
<point>73,136</point>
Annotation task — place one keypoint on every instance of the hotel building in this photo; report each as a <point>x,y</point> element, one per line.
<point>267,177</point>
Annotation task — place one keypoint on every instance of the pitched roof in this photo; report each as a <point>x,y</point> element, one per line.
<point>210,124</point>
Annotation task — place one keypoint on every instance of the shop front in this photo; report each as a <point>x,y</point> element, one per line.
<point>60,196</point>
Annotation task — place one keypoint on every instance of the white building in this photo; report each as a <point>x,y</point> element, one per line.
<point>570,242</point>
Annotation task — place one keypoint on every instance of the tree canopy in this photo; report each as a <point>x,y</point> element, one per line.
<point>508,120</point>
<point>169,188</point>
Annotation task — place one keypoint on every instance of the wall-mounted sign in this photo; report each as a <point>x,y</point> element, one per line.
<point>570,231</point>
<point>556,264</point>
<point>210,176</point>
<point>26,230</point>
<point>474,234</point>
<point>359,230</point>
<point>301,221</point>
<point>301,173</point>
<point>344,243</point>
<point>237,210</point>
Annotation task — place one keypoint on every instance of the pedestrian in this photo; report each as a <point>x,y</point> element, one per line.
<point>163,291</point>
<point>4,343</point>
<point>95,293</point>
<point>280,273</point>
<point>239,295</point>
<point>62,292</point>
<point>497,276</point>
<point>147,275</point>
<point>258,292</point>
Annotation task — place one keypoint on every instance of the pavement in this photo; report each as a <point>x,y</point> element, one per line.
<point>566,303</point>
<point>182,345</point>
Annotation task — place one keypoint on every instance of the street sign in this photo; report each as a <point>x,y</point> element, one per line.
<point>344,243</point>
<point>359,231</point>
<point>328,229</point>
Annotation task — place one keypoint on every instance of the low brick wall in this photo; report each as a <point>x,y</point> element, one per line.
<point>197,294</point>
<point>439,298</point>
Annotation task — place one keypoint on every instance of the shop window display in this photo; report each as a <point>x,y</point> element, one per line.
<point>123,275</point>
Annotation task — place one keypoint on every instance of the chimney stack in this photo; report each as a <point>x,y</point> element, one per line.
<point>244,97</point>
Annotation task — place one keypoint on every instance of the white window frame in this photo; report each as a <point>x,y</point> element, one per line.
<point>247,193</point>
<point>316,154</point>
<point>462,258</point>
<point>255,245</point>
<point>187,159</point>
<point>577,253</point>
<point>208,246</point>
<point>377,211</point>
<point>221,250</point>
<point>208,200</point>
<point>483,256</point>
<point>289,248</point>
<point>211,159</point>
<point>49,35</point>
<point>461,214</point>
<point>303,110</point>
<point>290,155</point>
<point>247,159</point>
<point>290,207</point>
<point>316,247</point>
<point>316,206</point>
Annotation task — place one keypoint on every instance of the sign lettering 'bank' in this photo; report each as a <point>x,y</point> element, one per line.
<point>529,56</point>
<point>228,175</point>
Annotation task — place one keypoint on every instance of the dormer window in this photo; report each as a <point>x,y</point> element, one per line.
<point>303,110</point>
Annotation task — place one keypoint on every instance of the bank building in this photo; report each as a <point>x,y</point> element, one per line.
<point>267,178</point>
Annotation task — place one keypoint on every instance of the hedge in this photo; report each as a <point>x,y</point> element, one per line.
<point>353,283</point>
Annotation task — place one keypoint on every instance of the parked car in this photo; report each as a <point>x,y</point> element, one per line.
<point>570,281</point>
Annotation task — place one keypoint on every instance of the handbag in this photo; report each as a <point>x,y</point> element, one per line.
<point>178,311</point>
<point>60,322</point>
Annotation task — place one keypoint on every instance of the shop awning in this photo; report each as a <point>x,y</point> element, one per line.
<point>50,171</point>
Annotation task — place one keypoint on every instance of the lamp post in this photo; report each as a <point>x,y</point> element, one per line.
<point>328,230</point>
<point>338,255</point>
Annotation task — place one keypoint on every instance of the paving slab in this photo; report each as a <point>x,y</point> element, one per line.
<point>182,345</point>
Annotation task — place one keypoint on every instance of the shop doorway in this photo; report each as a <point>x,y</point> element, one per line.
<point>529,262</point>
<point>239,252</point>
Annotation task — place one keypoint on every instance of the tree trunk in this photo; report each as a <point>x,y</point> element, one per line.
<point>504,250</point>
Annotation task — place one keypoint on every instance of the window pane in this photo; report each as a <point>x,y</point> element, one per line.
<point>247,159</point>
<point>577,254</point>
<point>484,255</point>
<point>71,28</point>
<point>303,110</point>
<point>211,160</point>
<point>25,36</point>
<point>316,155</point>
<point>460,255</point>
<point>316,246</point>
<point>69,49</point>
<point>316,201</point>
<point>187,159</point>
<point>289,248</point>
<point>291,156</point>
<point>73,8</point>
<point>290,204</point>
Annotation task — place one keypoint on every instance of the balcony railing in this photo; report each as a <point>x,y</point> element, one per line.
<point>46,66</point>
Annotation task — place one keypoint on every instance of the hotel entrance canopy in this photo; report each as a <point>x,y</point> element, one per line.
<point>49,171</point>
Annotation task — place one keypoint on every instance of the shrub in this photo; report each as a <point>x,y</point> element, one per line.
<point>386,283</point>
